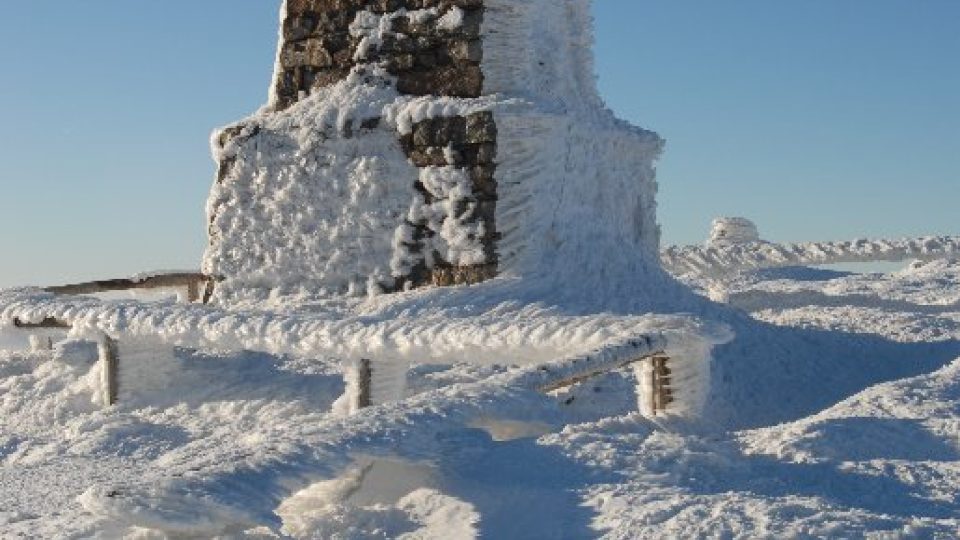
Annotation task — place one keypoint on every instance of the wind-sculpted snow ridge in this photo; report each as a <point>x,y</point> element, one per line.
<point>730,259</point>
<point>884,463</point>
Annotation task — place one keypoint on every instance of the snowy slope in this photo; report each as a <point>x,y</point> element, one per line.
<point>833,421</point>
<point>807,403</point>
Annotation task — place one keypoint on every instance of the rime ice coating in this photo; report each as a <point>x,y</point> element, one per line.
<point>438,143</point>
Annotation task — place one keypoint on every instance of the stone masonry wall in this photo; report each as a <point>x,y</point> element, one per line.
<point>430,55</point>
<point>432,47</point>
<point>467,143</point>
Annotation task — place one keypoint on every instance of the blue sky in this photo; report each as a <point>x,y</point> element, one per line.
<point>820,119</point>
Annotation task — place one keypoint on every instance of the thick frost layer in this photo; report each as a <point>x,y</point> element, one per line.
<point>518,336</point>
<point>321,196</point>
<point>303,204</point>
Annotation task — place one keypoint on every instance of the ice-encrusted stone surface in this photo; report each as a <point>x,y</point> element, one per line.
<point>430,142</point>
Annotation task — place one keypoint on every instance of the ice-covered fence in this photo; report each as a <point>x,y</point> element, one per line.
<point>723,260</point>
<point>391,344</point>
<point>367,389</point>
<point>370,386</point>
<point>201,492</point>
<point>107,352</point>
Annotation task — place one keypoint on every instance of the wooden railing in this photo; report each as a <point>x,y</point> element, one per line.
<point>107,354</point>
<point>559,375</point>
<point>199,286</point>
<point>544,378</point>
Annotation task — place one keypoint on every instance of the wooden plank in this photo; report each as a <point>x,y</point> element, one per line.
<point>654,382</point>
<point>193,292</point>
<point>364,384</point>
<point>192,281</point>
<point>558,385</point>
<point>110,364</point>
<point>662,394</point>
<point>47,323</point>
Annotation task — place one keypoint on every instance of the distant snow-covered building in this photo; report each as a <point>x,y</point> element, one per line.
<point>731,231</point>
<point>420,142</point>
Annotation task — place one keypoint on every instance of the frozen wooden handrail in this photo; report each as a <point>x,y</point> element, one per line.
<point>107,354</point>
<point>545,377</point>
<point>583,377</point>
<point>47,323</point>
<point>198,285</point>
<point>660,399</point>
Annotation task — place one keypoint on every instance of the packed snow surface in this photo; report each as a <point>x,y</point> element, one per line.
<point>809,404</point>
<point>834,415</point>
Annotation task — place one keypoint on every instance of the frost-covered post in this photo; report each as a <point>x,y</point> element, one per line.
<point>109,368</point>
<point>660,381</point>
<point>364,382</point>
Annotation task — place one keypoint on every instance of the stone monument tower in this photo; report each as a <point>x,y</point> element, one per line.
<point>409,143</point>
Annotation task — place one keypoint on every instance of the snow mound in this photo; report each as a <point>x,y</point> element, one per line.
<point>732,231</point>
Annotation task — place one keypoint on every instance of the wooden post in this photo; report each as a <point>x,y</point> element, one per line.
<point>208,290</point>
<point>653,386</point>
<point>110,366</point>
<point>364,384</point>
<point>41,343</point>
<point>661,395</point>
<point>193,292</point>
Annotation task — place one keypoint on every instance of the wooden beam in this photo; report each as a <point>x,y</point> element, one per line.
<point>558,385</point>
<point>662,395</point>
<point>192,281</point>
<point>364,384</point>
<point>208,290</point>
<point>47,323</point>
<point>110,364</point>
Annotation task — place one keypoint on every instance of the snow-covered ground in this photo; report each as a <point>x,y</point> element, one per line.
<point>834,412</point>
